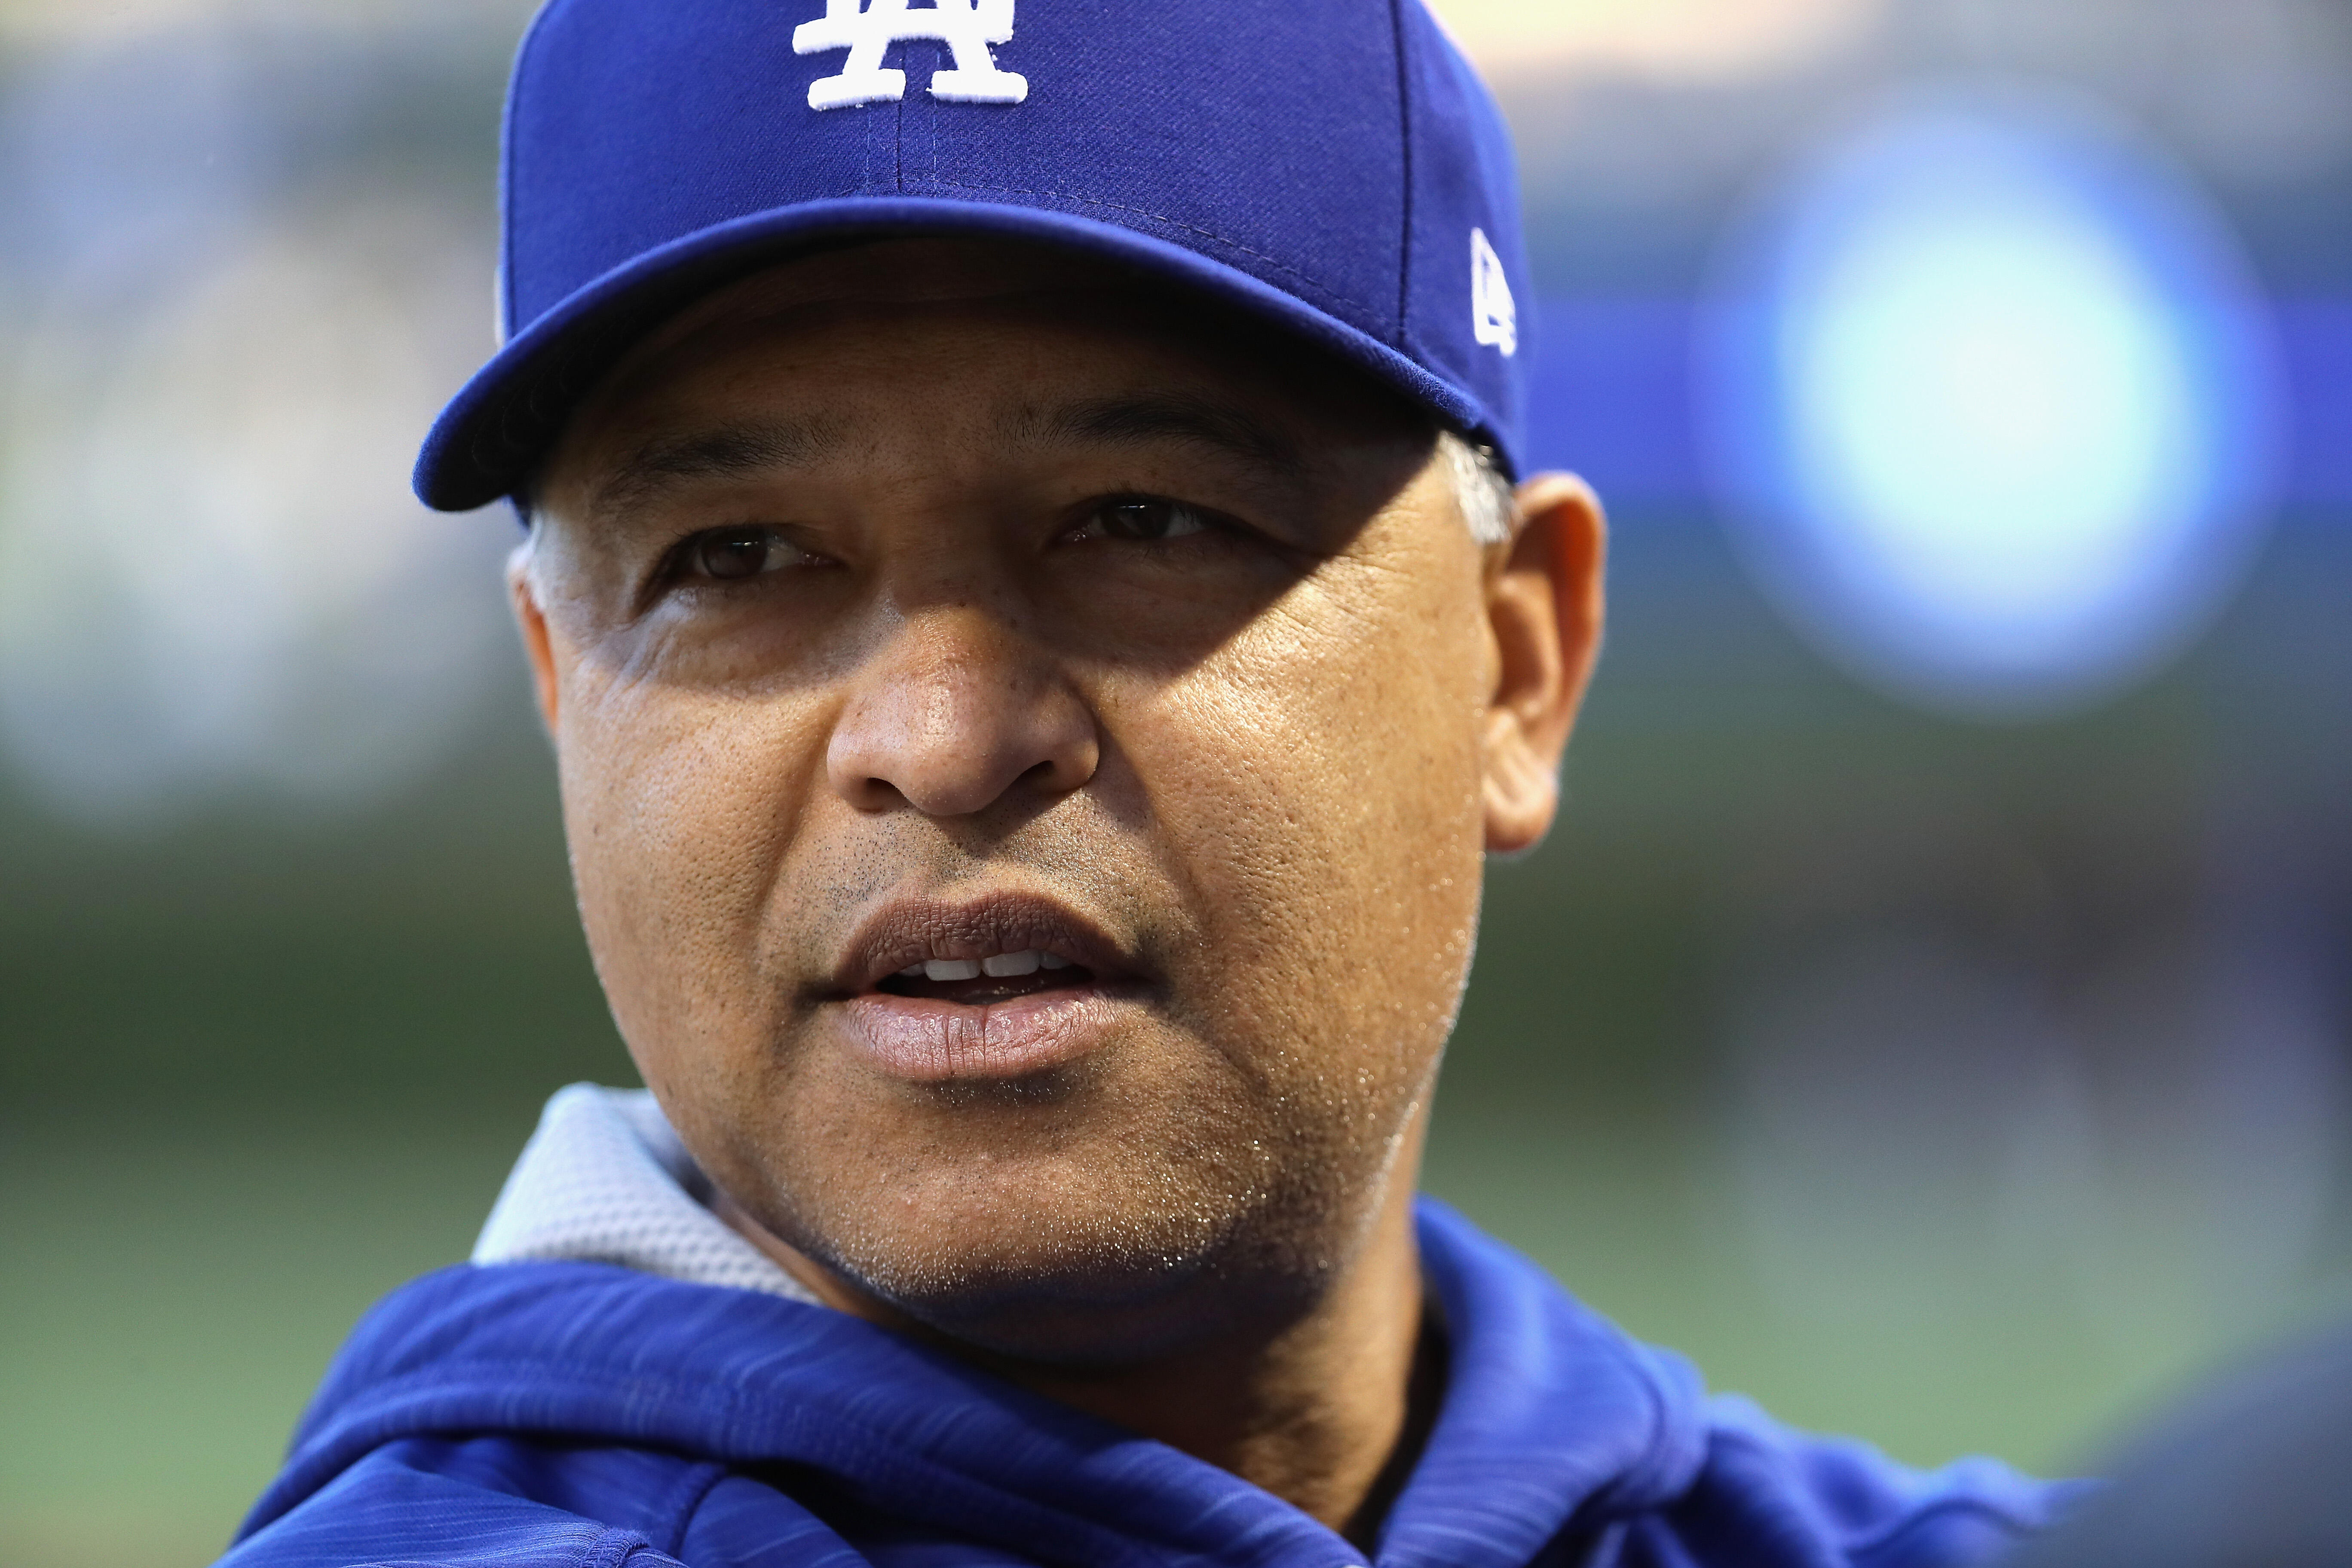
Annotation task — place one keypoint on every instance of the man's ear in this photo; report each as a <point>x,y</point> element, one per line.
<point>1544,604</point>
<point>530,619</point>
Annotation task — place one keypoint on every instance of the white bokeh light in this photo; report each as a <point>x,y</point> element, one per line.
<point>1992,405</point>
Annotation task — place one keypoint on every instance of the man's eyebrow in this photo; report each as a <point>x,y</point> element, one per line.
<point>1146,418</point>
<point>726,452</point>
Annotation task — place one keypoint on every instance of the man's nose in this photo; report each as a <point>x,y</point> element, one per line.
<point>954,713</point>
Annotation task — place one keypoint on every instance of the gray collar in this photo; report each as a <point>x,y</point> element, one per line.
<point>604,1179</point>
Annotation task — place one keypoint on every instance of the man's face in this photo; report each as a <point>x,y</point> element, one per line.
<point>938,604</point>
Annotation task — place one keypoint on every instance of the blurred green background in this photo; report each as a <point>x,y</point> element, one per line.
<point>1963,1084</point>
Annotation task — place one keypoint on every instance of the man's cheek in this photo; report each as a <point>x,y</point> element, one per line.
<point>1339,841</point>
<point>1260,816</point>
<point>674,835</point>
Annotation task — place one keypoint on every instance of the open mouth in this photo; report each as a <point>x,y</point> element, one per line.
<point>998,977</point>
<point>998,988</point>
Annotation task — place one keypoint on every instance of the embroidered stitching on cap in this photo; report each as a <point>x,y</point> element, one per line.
<point>967,26</point>
<point>1494,316</point>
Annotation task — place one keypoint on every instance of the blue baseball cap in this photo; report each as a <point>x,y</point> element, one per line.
<point>1334,168</point>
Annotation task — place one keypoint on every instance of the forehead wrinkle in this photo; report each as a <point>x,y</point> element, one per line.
<point>1143,419</point>
<point>730,451</point>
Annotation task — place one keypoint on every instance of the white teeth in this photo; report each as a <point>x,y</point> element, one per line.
<point>998,966</point>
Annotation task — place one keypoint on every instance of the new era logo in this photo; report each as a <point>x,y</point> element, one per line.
<point>966,26</point>
<point>1494,317</point>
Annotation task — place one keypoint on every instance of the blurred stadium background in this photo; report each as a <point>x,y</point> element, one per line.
<point>1932,1014</point>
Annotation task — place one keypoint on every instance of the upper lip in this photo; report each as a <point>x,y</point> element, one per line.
<point>906,932</point>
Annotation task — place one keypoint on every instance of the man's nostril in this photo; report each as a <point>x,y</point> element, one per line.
<point>878,794</point>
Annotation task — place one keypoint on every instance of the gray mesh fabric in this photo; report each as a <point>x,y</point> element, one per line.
<point>604,1179</point>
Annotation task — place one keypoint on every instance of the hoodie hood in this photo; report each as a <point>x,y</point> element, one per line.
<point>618,1380</point>
<point>1551,1412</point>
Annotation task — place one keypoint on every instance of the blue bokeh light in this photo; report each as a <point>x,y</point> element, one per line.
<point>1991,402</point>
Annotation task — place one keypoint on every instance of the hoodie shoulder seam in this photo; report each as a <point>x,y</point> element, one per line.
<point>693,1491</point>
<point>613,1549</point>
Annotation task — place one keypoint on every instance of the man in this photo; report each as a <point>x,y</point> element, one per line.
<point>1038,638</point>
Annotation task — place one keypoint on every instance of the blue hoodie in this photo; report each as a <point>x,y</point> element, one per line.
<point>567,1415</point>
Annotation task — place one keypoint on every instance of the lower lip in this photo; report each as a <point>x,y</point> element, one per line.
<point>927,1041</point>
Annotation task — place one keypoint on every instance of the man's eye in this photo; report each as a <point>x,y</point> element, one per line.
<point>731,555</point>
<point>1146,520</point>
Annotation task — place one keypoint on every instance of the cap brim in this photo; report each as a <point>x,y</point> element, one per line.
<point>493,434</point>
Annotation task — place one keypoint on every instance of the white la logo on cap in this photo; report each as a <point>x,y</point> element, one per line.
<point>966,26</point>
<point>1494,317</point>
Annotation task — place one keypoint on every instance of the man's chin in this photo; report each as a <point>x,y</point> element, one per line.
<point>1075,1291</point>
<point>1089,1327</point>
<point>1072,1317</point>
